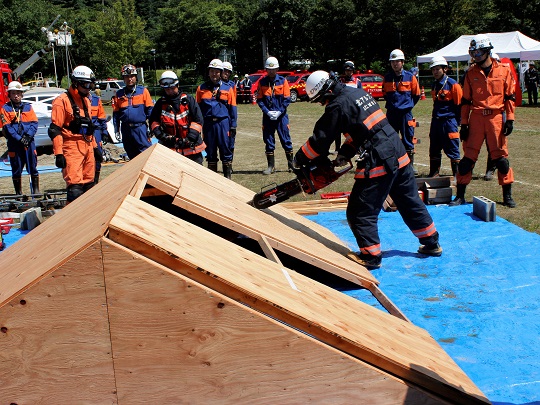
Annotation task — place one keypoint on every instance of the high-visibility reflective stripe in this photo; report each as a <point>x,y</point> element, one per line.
<point>453,135</point>
<point>374,119</point>
<point>196,126</point>
<point>380,170</point>
<point>425,232</point>
<point>309,152</point>
<point>374,250</point>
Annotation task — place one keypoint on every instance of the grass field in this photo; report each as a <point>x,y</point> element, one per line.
<point>250,160</point>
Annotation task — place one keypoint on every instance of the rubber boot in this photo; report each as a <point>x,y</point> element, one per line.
<point>290,160</point>
<point>460,196</point>
<point>212,166</point>
<point>490,169</point>
<point>35,184</point>
<point>508,201</point>
<point>434,167</point>
<point>17,184</point>
<point>271,163</point>
<point>232,153</point>
<point>454,165</point>
<point>411,157</point>
<point>227,169</point>
<point>96,176</point>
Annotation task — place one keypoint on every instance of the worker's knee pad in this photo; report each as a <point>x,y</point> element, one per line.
<point>74,191</point>
<point>503,165</point>
<point>465,166</point>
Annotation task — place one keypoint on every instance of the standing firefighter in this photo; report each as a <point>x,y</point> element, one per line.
<point>132,106</point>
<point>444,133</point>
<point>218,107</point>
<point>176,120</point>
<point>273,97</point>
<point>401,92</point>
<point>383,169</point>
<point>19,125</point>
<point>487,114</point>
<point>72,134</point>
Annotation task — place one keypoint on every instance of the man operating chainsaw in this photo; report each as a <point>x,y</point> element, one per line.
<point>383,167</point>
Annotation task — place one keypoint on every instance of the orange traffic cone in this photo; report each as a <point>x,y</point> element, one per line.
<point>253,99</point>
<point>423,94</point>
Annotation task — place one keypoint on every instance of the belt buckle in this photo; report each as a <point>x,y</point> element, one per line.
<point>487,112</point>
<point>214,119</point>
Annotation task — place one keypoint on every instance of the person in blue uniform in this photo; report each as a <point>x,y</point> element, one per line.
<point>383,168</point>
<point>99,119</point>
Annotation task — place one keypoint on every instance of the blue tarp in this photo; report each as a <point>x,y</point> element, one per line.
<point>480,300</point>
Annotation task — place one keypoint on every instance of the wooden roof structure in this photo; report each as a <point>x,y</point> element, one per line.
<point>163,285</point>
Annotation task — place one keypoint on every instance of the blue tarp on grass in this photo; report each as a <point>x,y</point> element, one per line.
<point>480,300</point>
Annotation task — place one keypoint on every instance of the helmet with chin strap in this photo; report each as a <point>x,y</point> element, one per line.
<point>318,84</point>
<point>480,41</point>
<point>168,79</point>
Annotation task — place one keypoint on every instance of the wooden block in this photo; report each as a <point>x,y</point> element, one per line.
<point>434,182</point>
<point>31,218</point>
<point>438,195</point>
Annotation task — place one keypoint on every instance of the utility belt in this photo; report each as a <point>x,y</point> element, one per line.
<point>214,119</point>
<point>486,111</point>
<point>444,118</point>
<point>386,131</point>
<point>136,124</point>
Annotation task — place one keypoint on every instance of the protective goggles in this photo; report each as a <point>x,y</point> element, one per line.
<point>478,52</point>
<point>165,83</point>
<point>85,85</point>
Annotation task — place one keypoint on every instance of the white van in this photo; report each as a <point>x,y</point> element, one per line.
<point>109,88</point>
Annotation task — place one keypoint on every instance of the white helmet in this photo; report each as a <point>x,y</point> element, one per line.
<point>216,64</point>
<point>271,63</point>
<point>317,84</point>
<point>437,61</point>
<point>246,75</point>
<point>15,86</point>
<point>397,54</point>
<point>480,41</point>
<point>227,66</point>
<point>83,74</point>
<point>495,56</point>
<point>168,79</point>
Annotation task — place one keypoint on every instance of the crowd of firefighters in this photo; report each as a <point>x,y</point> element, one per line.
<point>480,109</point>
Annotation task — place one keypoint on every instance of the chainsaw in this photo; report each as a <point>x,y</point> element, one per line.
<point>309,179</point>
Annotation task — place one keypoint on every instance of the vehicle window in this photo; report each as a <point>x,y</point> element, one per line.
<point>368,79</point>
<point>292,78</point>
<point>115,85</point>
<point>254,78</point>
<point>377,79</point>
<point>102,86</point>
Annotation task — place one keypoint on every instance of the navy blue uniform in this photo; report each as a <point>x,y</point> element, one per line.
<point>385,169</point>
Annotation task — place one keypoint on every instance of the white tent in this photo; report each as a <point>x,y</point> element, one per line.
<point>506,44</point>
<point>531,54</point>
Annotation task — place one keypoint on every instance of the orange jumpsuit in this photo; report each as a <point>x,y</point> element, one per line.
<point>76,148</point>
<point>485,101</point>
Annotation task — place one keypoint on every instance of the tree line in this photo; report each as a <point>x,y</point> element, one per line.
<point>189,33</point>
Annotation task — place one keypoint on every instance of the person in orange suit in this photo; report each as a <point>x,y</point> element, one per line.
<point>72,134</point>
<point>487,113</point>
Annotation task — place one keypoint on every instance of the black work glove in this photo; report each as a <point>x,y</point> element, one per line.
<point>98,155</point>
<point>232,132</point>
<point>26,140</point>
<point>158,133</point>
<point>168,141</point>
<point>508,127</point>
<point>60,161</point>
<point>192,137</point>
<point>464,133</point>
<point>300,159</point>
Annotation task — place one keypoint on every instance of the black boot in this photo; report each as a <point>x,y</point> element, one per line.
<point>411,157</point>
<point>490,169</point>
<point>454,165</point>
<point>460,196</point>
<point>271,163</point>
<point>212,166</point>
<point>508,201</point>
<point>227,169</point>
<point>17,184</point>
<point>434,167</point>
<point>290,160</point>
<point>232,153</point>
<point>35,184</point>
<point>96,176</point>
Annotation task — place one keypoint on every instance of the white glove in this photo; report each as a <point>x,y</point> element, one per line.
<point>277,114</point>
<point>118,136</point>
<point>340,161</point>
<point>274,115</point>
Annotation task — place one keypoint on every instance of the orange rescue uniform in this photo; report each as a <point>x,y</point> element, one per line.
<point>488,101</point>
<point>76,148</point>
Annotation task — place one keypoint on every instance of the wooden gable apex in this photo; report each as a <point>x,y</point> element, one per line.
<point>170,224</point>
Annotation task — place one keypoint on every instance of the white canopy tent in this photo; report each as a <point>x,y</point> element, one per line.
<point>531,54</point>
<point>506,44</point>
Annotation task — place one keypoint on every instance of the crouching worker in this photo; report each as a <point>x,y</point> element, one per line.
<point>384,168</point>
<point>176,120</point>
<point>72,134</point>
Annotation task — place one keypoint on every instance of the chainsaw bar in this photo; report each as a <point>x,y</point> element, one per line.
<point>276,194</point>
